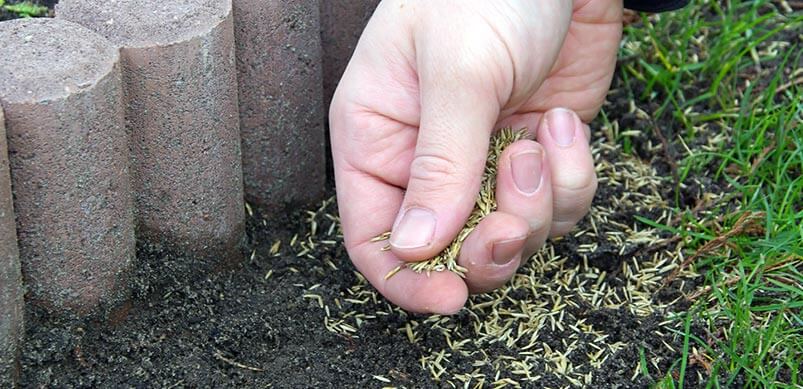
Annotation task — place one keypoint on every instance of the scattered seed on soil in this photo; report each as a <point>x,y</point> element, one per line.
<point>546,322</point>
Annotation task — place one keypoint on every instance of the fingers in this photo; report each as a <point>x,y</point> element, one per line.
<point>442,293</point>
<point>367,207</point>
<point>574,181</point>
<point>492,252</point>
<point>458,111</point>
<point>543,189</point>
<point>506,238</point>
<point>369,154</point>
<point>524,189</point>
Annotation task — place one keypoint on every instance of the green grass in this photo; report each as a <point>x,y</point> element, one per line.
<point>726,76</point>
<point>25,9</point>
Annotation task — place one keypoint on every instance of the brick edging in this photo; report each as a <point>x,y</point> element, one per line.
<point>11,318</point>
<point>182,115</point>
<point>154,130</point>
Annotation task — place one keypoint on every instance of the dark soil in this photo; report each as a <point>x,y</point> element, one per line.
<point>202,332</point>
<point>236,328</point>
<point>255,326</point>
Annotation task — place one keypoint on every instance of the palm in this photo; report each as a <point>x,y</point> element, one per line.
<point>579,80</point>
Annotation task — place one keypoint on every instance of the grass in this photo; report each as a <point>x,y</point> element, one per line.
<point>727,77</point>
<point>25,9</point>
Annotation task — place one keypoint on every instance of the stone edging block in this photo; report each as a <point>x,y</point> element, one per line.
<point>281,105</point>
<point>342,23</point>
<point>11,318</point>
<point>69,163</point>
<point>182,115</point>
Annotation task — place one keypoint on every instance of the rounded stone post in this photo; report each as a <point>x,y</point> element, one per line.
<point>181,111</point>
<point>10,278</point>
<point>60,88</point>
<point>281,100</point>
<point>342,22</point>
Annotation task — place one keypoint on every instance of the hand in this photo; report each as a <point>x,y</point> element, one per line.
<point>412,117</point>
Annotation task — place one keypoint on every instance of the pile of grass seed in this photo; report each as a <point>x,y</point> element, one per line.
<point>483,206</point>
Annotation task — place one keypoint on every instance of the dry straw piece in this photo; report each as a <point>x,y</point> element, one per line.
<point>485,204</point>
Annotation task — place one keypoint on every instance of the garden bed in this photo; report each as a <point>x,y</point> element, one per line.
<point>584,311</point>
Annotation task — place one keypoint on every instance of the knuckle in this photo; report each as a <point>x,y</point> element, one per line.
<point>434,171</point>
<point>574,186</point>
<point>571,211</point>
<point>560,228</point>
<point>571,204</point>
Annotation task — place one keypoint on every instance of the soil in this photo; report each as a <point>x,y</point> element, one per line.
<point>295,313</point>
<point>232,328</point>
<point>237,328</point>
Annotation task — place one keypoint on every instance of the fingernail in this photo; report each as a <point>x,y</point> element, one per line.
<point>507,250</point>
<point>561,126</point>
<point>415,229</point>
<point>526,169</point>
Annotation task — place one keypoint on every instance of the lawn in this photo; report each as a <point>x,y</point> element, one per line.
<point>722,82</point>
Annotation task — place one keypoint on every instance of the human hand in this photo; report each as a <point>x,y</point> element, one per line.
<point>411,120</point>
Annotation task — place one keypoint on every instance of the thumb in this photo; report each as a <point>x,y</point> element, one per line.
<point>458,110</point>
